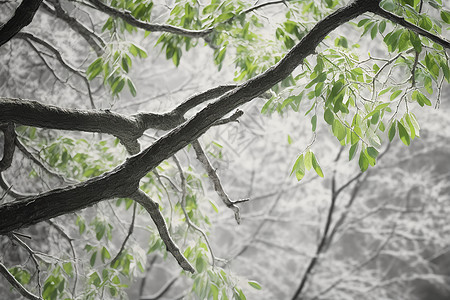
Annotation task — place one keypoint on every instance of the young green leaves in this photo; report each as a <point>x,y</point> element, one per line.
<point>304,163</point>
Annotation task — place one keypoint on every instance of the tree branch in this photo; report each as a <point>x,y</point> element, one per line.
<point>23,16</point>
<point>401,21</point>
<point>9,135</point>
<point>30,37</point>
<point>130,232</point>
<point>130,19</point>
<point>153,209</point>
<point>124,179</point>
<point>16,284</point>
<point>95,41</point>
<point>201,156</point>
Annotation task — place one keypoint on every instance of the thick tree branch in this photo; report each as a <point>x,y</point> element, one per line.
<point>130,19</point>
<point>9,135</point>
<point>124,180</point>
<point>22,17</point>
<point>153,209</point>
<point>401,21</point>
<point>127,128</point>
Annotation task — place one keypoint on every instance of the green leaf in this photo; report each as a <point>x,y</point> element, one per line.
<point>118,85</point>
<point>105,254</point>
<point>395,94</point>
<point>404,136</point>
<point>200,263</point>
<point>339,130</point>
<point>445,16</point>
<point>372,152</point>
<point>352,151</point>
<point>363,161</point>
<point>131,87</point>
<point>392,130</point>
<point>314,123</point>
<point>316,165</point>
<point>308,160</point>
<point>328,116</point>
<point>93,257</point>
<point>255,285</point>
<point>68,268</point>
<point>299,168</point>
<point>374,31</point>
<point>95,68</point>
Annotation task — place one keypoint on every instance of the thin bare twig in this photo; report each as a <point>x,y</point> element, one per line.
<point>33,257</point>
<point>186,216</point>
<point>130,232</point>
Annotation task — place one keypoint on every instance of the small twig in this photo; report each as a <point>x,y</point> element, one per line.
<point>130,232</point>
<point>94,40</point>
<point>186,216</point>
<point>33,257</point>
<point>16,284</point>
<point>152,208</point>
<point>201,156</point>
<point>233,118</point>
<point>9,190</point>
<point>38,162</point>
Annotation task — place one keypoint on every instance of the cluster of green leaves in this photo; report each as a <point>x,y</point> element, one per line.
<point>213,282</point>
<point>79,159</point>
<point>115,66</point>
<point>304,163</point>
<point>140,9</point>
<point>357,105</point>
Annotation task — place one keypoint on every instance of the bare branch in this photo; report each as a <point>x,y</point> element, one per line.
<point>28,36</point>
<point>201,156</point>
<point>16,284</point>
<point>130,19</point>
<point>95,41</point>
<point>33,257</point>
<point>153,209</point>
<point>23,16</point>
<point>130,232</point>
<point>186,216</point>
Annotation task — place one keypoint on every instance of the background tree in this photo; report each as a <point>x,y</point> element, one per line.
<point>364,99</point>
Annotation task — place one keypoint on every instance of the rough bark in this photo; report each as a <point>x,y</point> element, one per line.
<point>23,16</point>
<point>124,180</point>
